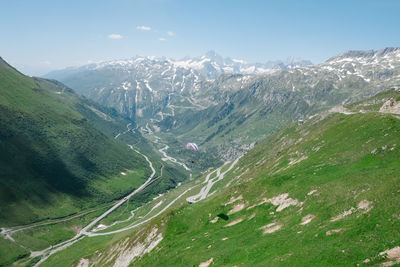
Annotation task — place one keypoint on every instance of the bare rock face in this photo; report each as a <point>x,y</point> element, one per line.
<point>124,252</point>
<point>233,100</point>
<point>390,106</point>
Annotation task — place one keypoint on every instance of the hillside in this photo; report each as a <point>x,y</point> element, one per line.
<point>322,192</point>
<point>53,160</point>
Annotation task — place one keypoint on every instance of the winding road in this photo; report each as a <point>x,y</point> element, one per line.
<point>204,191</point>
<point>128,129</point>
<point>174,160</point>
<point>122,201</point>
<point>145,221</point>
<point>8,232</point>
<point>84,231</point>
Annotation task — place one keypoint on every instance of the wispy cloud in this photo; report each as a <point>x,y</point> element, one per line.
<point>143,28</point>
<point>115,36</point>
<point>162,39</point>
<point>170,33</point>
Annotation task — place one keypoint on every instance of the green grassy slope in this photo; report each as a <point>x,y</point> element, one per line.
<point>53,160</point>
<point>342,171</point>
<point>331,166</point>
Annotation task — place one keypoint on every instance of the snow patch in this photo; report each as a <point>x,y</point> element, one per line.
<point>126,86</point>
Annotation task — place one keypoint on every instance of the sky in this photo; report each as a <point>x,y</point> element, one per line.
<point>39,36</point>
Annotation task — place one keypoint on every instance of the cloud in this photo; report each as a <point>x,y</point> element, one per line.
<point>143,28</point>
<point>115,36</point>
<point>162,39</point>
<point>170,33</point>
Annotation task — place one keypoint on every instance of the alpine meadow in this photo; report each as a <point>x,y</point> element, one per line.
<point>126,139</point>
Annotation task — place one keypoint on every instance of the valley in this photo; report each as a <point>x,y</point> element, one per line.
<point>305,154</point>
<point>228,108</point>
<point>199,133</point>
<point>291,190</point>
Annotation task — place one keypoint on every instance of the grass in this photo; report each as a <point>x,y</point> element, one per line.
<point>89,246</point>
<point>53,160</point>
<point>343,171</point>
<point>346,159</point>
<point>83,248</point>
<point>146,210</point>
<point>10,252</point>
<point>333,157</point>
<point>42,237</point>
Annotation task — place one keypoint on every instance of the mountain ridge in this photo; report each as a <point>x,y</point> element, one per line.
<point>211,56</point>
<point>365,53</point>
<point>51,153</point>
<point>166,96</point>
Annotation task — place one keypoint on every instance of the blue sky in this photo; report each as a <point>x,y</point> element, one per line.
<point>39,36</point>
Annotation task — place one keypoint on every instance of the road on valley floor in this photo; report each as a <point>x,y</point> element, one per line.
<point>84,232</point>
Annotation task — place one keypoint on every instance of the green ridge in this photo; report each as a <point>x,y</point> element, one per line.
<point>53,160</point>
<point>334,158</point>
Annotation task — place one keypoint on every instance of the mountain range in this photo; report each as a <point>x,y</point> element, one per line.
<point>228,105</point>
<point>322,192</point>
<point>136,86</point>
<point>297,163</point>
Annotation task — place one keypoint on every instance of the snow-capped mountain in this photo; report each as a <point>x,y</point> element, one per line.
<point>244,108</point>
<point>220,97</point>
<point>139,87</point>
<point>381,65</point>
<point>211,65</point>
